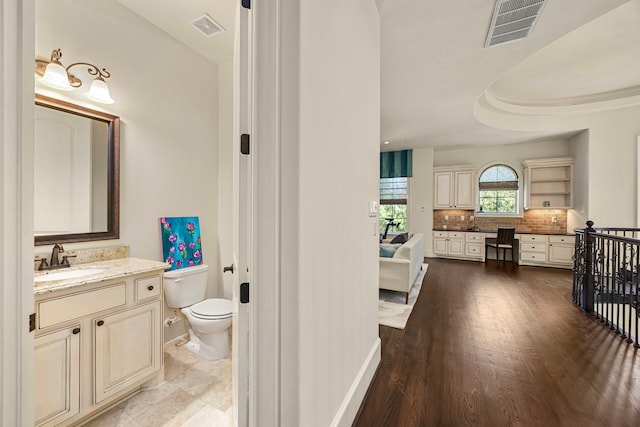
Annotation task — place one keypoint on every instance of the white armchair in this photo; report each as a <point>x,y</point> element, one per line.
<point>400,271</point>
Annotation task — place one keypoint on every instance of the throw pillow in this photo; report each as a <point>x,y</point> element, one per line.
<point>387,250</point>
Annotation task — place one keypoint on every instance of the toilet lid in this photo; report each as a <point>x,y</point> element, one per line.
<point>213,308</point>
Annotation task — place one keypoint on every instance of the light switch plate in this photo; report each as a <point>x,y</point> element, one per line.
<point>373,208</point>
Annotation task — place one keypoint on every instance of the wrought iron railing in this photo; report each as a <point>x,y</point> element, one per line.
<point>606,277</point>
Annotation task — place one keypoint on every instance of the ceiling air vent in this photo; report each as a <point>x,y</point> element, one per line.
<point>513,20</point>
<point>207,26</point>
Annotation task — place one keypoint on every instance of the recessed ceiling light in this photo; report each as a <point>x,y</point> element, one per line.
<point>386,143</point>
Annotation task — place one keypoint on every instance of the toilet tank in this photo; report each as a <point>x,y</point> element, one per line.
<point>186,286</point>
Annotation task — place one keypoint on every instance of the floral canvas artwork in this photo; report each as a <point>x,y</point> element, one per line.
<point>181,244</point>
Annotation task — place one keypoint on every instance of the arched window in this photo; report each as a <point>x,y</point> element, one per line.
<point>498,190</point>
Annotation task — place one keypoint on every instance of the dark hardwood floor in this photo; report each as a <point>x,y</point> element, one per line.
<point>490,345</point>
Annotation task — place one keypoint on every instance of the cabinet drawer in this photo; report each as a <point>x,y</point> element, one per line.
<point>54,311</point>
<point>531,238</point>
<point>456,234</point>
<point>475,237</point>
<point>570,240</point>
<point>440,234</point>
<point>533,256</point>
<point>474,249</point>
<point>532,247</point>
<point>147,287</point>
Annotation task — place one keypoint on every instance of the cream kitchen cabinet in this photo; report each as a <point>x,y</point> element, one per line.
<point>533,249</point>
<point>454,188</point>
<point>548,183</point>
<point>458,245</point>
<point>448,243</point>
<point>474,246</point>
<point>552,250</point>
<point>96,343</point>
<point>561,250</point>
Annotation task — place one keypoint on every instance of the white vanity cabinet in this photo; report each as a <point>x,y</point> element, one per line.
<point>57,374</point>
<point>454,188</point>
<point>95,344</point>
<point>126,349</point>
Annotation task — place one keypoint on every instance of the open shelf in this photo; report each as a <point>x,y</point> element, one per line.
<point>549,183</point>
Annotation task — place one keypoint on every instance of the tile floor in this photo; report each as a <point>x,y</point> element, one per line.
<point>196,393</point>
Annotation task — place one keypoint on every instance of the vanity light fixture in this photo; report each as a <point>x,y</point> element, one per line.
<point>55,75</point>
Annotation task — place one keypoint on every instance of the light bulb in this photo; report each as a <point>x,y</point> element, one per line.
<point>99,92</point>
<point>56,76</point>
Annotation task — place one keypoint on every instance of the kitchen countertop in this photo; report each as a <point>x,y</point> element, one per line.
<point>113,268</point>
<point>496,231</point>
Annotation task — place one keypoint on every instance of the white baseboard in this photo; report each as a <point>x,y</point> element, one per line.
<point>352,401</point>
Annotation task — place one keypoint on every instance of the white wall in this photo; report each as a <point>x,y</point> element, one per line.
<point>579,150</point>
<point>421,197</point>
<point>329,172</point>
<point>612,167</point>
<point>513,153</point>
<point>225,177</point>
<point>167,98</point>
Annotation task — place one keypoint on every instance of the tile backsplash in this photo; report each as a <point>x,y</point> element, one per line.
<point>533,221</point>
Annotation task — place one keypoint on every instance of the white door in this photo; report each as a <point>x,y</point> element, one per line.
<point>242,216</point>
<point>62,158</point>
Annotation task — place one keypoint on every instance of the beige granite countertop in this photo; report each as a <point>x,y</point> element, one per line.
<point>113,268</point>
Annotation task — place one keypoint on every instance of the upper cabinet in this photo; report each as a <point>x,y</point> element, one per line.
<point>548,183</point>
<point>454,188</point>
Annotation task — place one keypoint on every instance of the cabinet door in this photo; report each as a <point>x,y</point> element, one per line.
<point>443,194</point>
<point>561,254</point>
<point>57,376</point>
<point>440,245</point>
<point>456,247</point>
<point>464,194</point>
<point>128,348</point>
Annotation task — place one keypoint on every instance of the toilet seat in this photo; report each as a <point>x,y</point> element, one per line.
<point>212,309</point>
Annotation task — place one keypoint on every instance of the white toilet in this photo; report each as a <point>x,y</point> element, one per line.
<point>209,319</point>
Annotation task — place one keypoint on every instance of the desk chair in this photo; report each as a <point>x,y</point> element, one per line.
<point>504,241</point>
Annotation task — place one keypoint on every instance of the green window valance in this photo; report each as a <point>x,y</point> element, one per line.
<point>396,164</point>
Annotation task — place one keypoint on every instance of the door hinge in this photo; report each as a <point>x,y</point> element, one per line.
<point>244,292</point>
<point>32,322</point>
<point>246,4</point>
<point>245,147</point>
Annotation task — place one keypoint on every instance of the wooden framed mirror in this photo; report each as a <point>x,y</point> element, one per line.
<point>77,173</point>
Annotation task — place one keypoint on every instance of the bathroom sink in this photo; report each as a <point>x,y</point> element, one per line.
<point>68,274</point>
